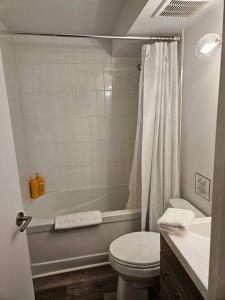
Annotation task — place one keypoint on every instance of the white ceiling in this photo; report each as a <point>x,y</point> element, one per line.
<point>145,24</point>
<point>61,16</point>
<point>131,17</point>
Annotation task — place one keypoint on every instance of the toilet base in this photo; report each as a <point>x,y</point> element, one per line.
<point>126,290</point>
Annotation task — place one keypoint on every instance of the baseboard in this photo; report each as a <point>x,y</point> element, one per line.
<point>68,264</point>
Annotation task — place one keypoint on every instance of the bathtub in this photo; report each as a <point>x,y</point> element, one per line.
<point>59,251</point>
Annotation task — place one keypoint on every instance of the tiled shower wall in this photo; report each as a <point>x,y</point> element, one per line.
<point>80,110</point>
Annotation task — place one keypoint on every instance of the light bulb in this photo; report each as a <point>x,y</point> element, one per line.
<point>208,46</point>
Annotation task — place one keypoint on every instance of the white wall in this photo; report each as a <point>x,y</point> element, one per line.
<point>200,90</point>
<point>80,108</point>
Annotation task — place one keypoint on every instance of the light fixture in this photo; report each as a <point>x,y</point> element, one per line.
<point>208,46</point>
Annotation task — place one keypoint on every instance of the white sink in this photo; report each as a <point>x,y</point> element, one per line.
<point>201,226</point>
<point>193,250</point>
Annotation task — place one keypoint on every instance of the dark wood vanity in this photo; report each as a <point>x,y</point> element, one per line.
<point>175,283</point>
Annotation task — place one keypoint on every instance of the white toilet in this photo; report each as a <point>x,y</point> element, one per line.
<point>136,257</point>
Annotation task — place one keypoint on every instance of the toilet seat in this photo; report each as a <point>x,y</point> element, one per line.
<point>134,266</point>
<point>135,274</point>
<point>137,250</point>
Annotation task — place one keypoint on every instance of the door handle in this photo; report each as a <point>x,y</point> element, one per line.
<point>20,219</point>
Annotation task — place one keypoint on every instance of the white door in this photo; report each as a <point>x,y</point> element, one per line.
<point>15,272</point>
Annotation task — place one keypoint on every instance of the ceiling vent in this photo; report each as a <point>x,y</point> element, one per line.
<point>180,8</point>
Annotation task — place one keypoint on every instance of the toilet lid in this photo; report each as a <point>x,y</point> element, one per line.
<point>137,248</point>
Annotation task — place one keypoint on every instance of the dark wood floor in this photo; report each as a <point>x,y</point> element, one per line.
<point>89,284</point>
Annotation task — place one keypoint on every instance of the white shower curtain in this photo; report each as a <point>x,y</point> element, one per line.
<point>155,174</point>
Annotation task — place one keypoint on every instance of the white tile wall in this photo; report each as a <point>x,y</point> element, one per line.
<point>80,109</point>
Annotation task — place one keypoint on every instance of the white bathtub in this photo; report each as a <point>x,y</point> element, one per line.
<point>64,202</point>
<point>57,251</point>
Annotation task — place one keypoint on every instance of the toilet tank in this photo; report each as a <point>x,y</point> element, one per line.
<point>184,204</point>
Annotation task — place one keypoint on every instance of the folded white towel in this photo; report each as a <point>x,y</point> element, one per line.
<point>176,220</point>
<point>81,219</point>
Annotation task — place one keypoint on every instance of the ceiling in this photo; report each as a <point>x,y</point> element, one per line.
<point>145,24</point>
<point>61,16</point>
<point>126,17</point>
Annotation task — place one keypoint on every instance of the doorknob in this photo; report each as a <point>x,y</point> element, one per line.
<point>20,219</point>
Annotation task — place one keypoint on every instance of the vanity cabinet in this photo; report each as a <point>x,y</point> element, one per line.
<point>175,283</point>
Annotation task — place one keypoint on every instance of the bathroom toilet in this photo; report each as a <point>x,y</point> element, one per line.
<point>136,258</point>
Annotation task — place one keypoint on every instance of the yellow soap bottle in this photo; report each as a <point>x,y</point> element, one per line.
<point>41,184</point>
<point>34,188</point>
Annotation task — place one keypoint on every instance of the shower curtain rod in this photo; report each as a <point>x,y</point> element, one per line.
<point>116,37</point>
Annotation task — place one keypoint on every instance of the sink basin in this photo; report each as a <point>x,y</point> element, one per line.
<point>201,226</point>
<point>193,250</point>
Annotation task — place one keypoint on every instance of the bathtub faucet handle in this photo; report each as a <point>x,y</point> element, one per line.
<point>20,219</point>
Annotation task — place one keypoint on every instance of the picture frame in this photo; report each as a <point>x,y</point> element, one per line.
<point>202,186</point>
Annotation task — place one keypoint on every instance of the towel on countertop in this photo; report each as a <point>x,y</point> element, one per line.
<point>176,220</point>
<point>87,218</point>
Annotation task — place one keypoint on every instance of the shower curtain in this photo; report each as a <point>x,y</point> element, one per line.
<point>155,174</point>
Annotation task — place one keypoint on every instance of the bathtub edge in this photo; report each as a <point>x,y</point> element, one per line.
<point>107,217</point>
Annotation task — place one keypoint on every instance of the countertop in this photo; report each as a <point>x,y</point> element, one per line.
<point>193,250</point>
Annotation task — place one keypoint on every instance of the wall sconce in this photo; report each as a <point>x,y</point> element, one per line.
<point>209,46</point>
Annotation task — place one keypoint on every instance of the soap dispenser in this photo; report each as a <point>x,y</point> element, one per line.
<point>41,185</point>
<point>34,188</point>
